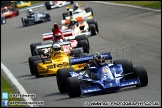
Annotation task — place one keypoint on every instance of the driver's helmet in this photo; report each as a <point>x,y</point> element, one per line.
<point>58,35</point>
<point>30,11</point>
<point>56,48</point>
<point>5,8</point>
<point>76,6</point>
<point>72,23</point>
<point>98,59</point>
<point>55,26</point>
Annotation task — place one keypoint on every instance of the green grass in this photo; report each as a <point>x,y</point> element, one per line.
<point>148,4</point>
<point>5,87</point>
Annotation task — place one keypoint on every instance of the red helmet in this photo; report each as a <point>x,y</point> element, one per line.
<point>55,26</point>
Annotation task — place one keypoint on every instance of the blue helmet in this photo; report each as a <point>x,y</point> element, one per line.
<point>76,6</point>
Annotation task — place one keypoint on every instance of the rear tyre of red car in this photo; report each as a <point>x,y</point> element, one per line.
<point>31,63</point>
<point>61,76</point>
<point>73,87</point>
<point>32,48</point>
<point>141,73</point>
<point>76,52</point>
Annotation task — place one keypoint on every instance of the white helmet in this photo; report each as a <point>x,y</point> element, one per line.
<point>5,7</point>
<point>56,47</point>
<point>29,11</point>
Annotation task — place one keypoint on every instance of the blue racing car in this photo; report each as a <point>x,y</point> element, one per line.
<point>104,77</point>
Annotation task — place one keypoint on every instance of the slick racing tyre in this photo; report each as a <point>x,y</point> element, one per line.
<point>127,68</point>
<point>76,52</point>
<point>83,37</point>
<point>48,6</point>
<point>73,87</point>
<point>141,73</point>
<point>31,62</point>
<point>64,15</point>
<point>89,9</point>
<point>84,44</point>
<point>32,48</point>
<point>35,68</point>
<point>93,30</point>
<point>23,22</point>
<point>93,21</point>
<point>61,76</point>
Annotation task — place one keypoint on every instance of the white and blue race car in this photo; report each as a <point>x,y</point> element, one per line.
<point>35,18</point>
<point>104,78</point>
<point>56,4</point>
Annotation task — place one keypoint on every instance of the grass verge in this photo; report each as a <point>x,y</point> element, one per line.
<point>5,87</point>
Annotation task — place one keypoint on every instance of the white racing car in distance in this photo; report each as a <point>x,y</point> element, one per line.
<point>56,4</point>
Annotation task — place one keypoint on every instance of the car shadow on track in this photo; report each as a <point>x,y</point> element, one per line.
<point>33,76</point>
<point>55,94</point>
<point>95,94</point>
<point>32,25</point>
<point>25,75</point>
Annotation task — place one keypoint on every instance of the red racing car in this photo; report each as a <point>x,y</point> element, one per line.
<point>9,11</point>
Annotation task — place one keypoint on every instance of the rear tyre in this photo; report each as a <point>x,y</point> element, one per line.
<point>127,67</point>
<point>76,52</point>
<point>93,30</point>
<point>31,63</point>
<point>71,2</point>
<point>93,21</point>
<point>84,44</point>
<point>83,54</point>
<point>32,48</point>
<point>89,9</point>
<point>17,12</point>
<point>47,5</point>
<point>48,17</point>
<point>64,15</point>
<point>23,22</point>
<point>73,85</point>
<point>141,73</point>
<point>61,76</point>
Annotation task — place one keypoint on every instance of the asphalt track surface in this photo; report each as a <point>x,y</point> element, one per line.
<point>127,32</point>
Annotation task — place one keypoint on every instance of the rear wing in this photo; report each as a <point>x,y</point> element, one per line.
<point>49,45</point>
<point>48,36</point>
<point>9,7</point>
<point>85,59</point>
<point>71,6</point>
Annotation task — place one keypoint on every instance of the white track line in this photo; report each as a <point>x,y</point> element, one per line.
<point>125,5</point>
<point>16,83</point>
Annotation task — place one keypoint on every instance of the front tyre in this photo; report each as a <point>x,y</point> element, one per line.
<point>141,73</point>
<point>61,76</point>
<point>73,85</point>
